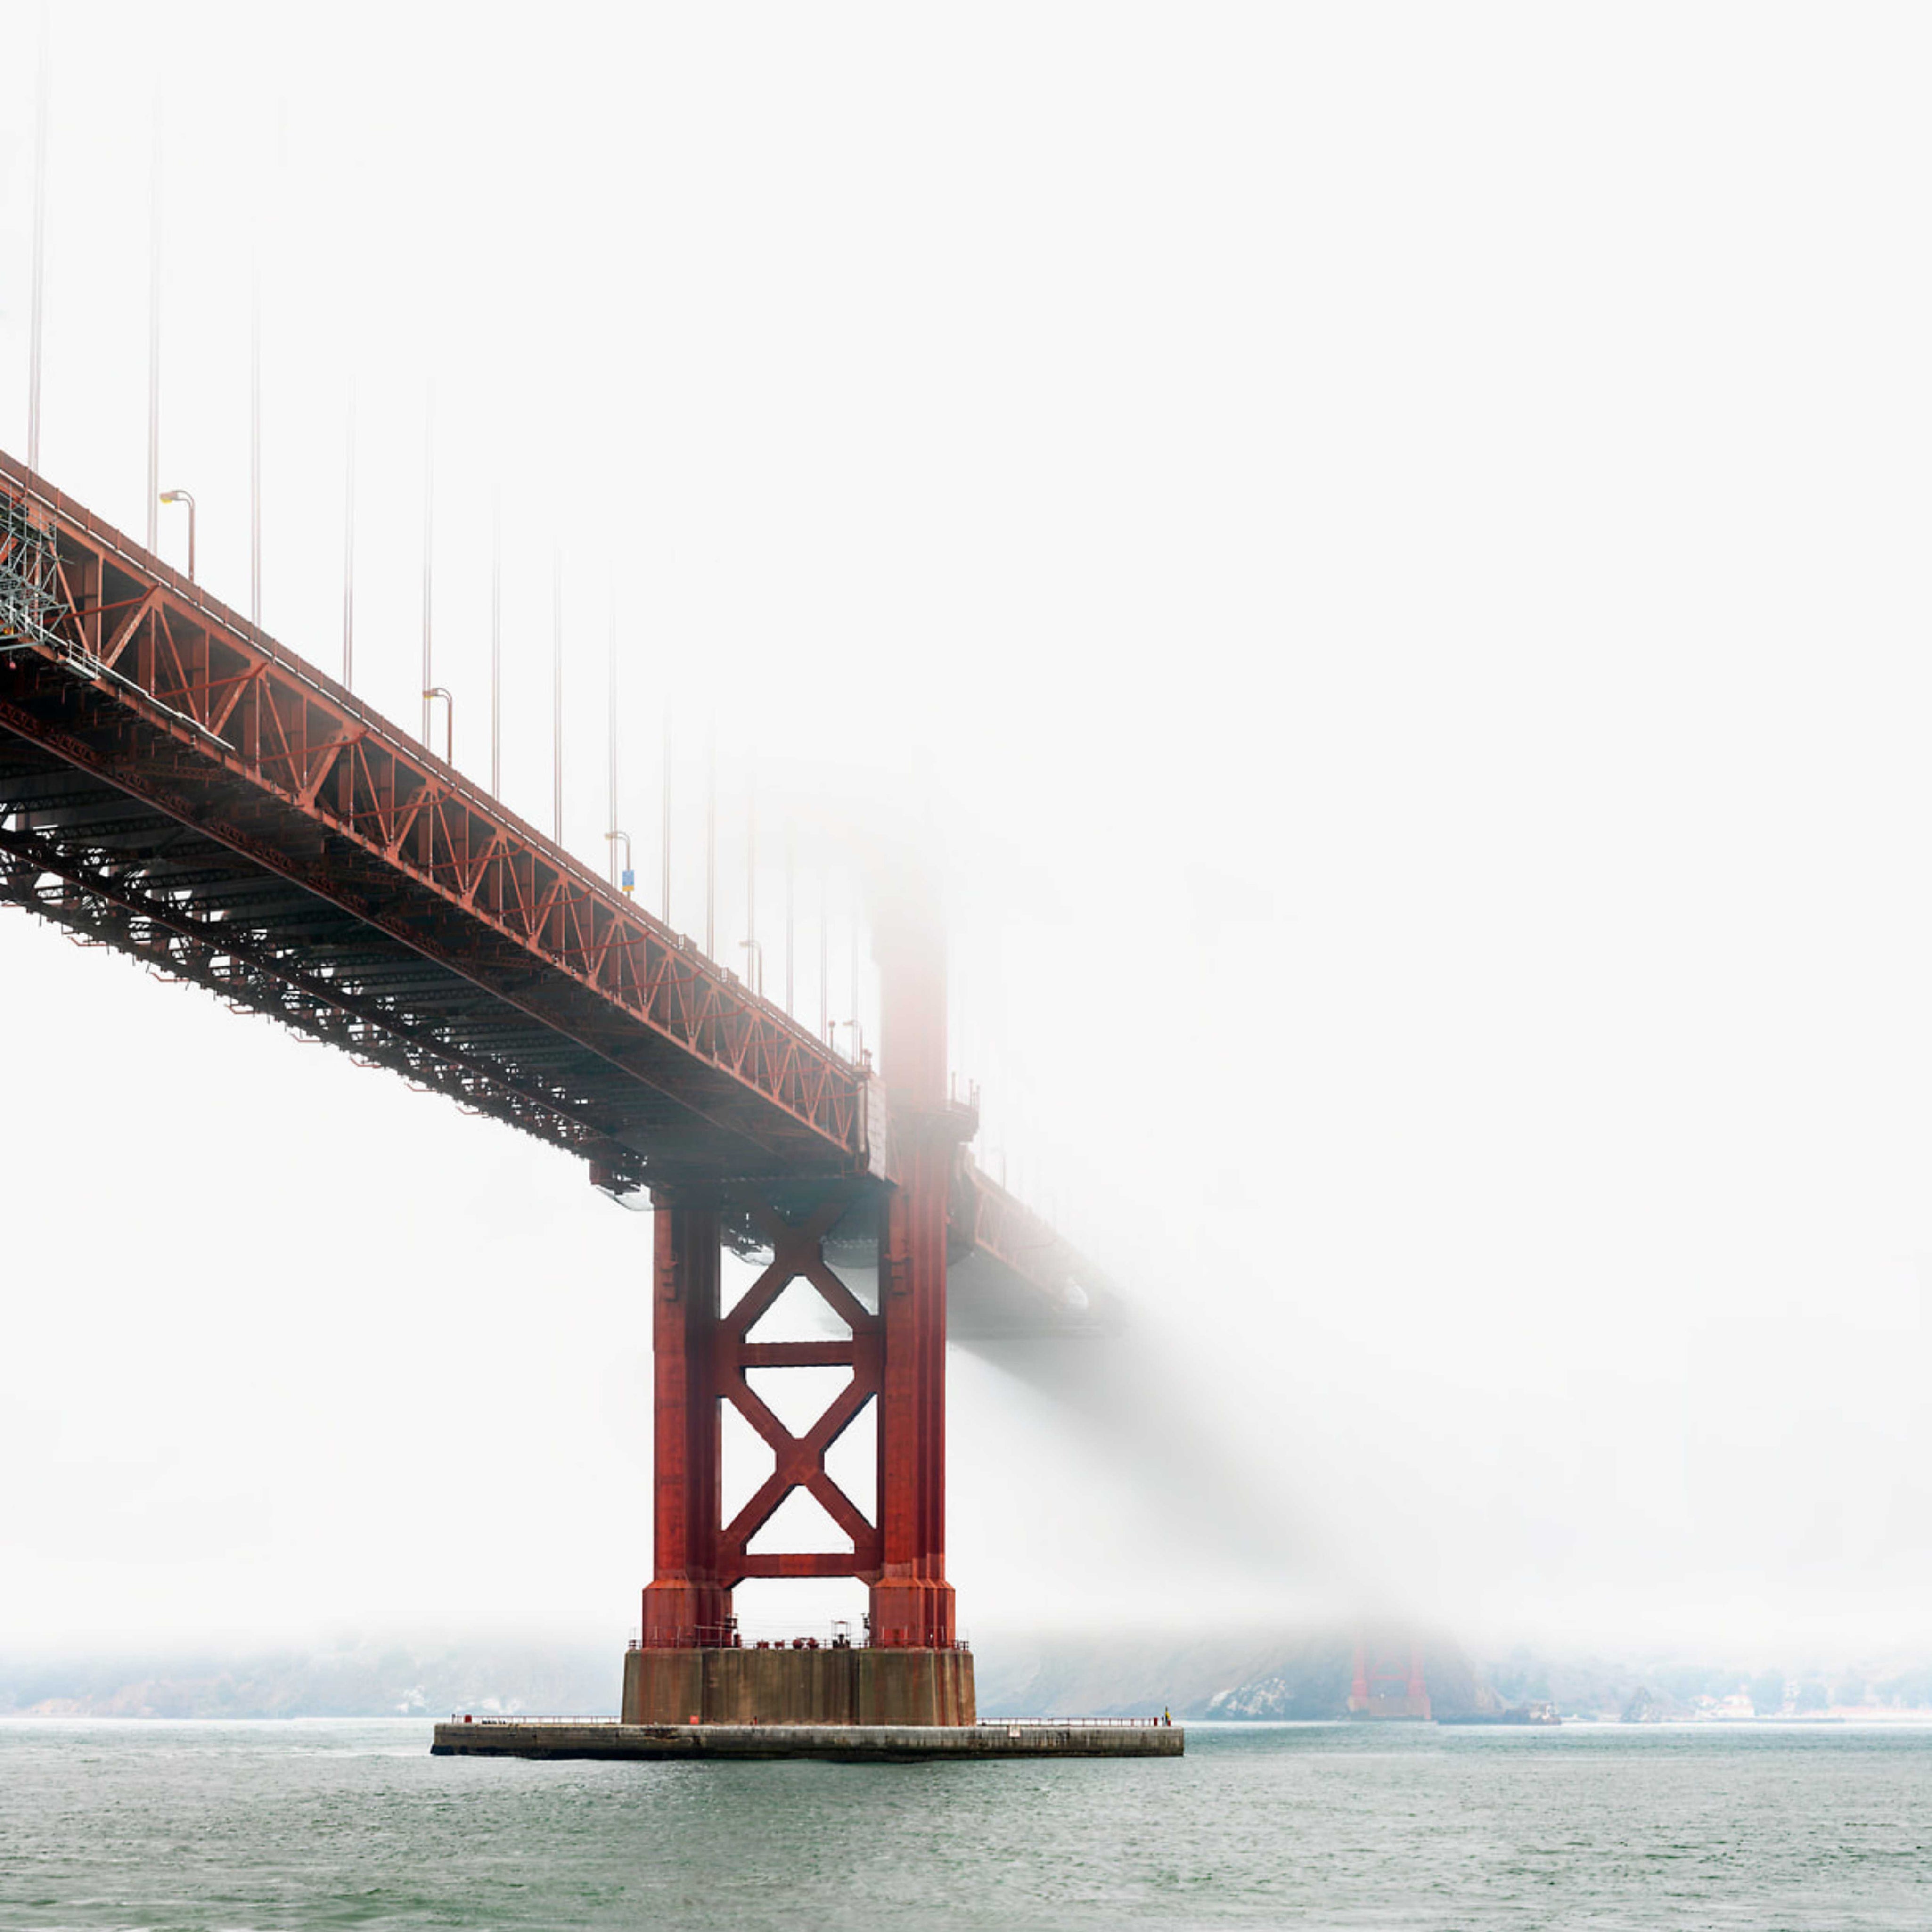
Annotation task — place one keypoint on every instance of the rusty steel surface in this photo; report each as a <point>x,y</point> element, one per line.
<point>175,784</point>
<point>912,1601</point>
<point>798,1461</point>
<point>896,1351</point>
<point>702,1353</point>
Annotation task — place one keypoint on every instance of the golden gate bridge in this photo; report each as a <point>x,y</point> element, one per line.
<point>178,785</point>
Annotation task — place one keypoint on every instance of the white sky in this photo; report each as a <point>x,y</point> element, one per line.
<point>1397,535</point>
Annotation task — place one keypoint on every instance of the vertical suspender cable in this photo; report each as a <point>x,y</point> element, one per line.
<point>429,542</point>
<point>754,976</point>
<point>496,643</point>
<point>791,868</point>
<point>664,826</point>
<point>824,959</point>
<point>255,435</point>
<point>349,546</point>
<point>556,692</point>
<point>155,332</point>
<point>955,978</point>
<point>39,240</point>
<point>255,377</point>
<point>611,705</point>
<point>711,838</point>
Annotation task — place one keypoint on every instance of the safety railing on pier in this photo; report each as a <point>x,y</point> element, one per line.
<point>1081,1723</point>
<point>519,1717</point>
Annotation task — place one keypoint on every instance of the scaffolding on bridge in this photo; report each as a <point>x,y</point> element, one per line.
<point>29,579</point>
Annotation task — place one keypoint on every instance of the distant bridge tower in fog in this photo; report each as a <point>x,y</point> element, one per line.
<point>1386,1685</point>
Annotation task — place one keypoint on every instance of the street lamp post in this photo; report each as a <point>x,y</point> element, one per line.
<point>449,719</point>
<point>626,880</point>
<point>183,496</point>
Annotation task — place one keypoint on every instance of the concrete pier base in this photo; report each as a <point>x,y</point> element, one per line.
<point>799,1687</point>
<point>569,1738</point>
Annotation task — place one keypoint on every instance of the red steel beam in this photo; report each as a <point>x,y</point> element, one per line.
<point>144,683</point>
<point>702,1353</point>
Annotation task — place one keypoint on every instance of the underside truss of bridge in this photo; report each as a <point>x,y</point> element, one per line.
<point>176,784</point>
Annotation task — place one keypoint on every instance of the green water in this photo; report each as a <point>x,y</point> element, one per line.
<point>234,1826</point>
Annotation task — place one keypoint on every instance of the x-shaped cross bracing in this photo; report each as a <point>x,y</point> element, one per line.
<point>799,1461</point>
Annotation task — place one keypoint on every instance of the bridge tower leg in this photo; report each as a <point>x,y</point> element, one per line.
<point>912,1602</point>
<point>686,1603</point>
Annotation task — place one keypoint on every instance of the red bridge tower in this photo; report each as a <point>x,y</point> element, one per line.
<point>1387,1682</point>
<point>690,1662</point>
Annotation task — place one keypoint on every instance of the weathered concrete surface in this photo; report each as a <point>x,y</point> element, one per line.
<point>560,1738</point>
<point>799,1687</point>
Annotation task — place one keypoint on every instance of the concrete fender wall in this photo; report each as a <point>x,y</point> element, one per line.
<point>799,1687</point>
<point>852,1743</point>
<point>663,1687</point>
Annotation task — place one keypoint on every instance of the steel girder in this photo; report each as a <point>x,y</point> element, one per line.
<point>1014,1274</point>
<point>143,689</point>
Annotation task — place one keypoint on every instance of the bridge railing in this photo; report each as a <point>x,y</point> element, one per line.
<point>518,1718</point>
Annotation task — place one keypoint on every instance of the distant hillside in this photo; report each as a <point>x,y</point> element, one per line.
<point>1251,1675</point>
<point>1254,1675</point>
<point>349,1680</point>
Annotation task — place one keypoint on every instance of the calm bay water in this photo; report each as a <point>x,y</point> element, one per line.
<point>272,1826</point>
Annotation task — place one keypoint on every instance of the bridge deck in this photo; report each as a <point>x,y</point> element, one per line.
<point>177,785</point>
<point>174,783</point>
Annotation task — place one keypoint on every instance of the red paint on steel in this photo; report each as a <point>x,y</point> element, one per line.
<point>686,1604</point>
<point>260,781</point>
<point>897,1356</point>
<point>912,1601</point>
<point>798,1461</point>
<point>701,1357</point>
